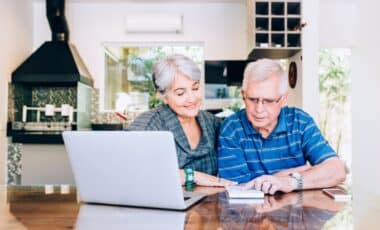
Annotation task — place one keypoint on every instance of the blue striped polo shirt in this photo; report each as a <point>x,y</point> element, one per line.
<point>243,154</point>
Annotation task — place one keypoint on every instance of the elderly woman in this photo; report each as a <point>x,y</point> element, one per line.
<point>177,81</point>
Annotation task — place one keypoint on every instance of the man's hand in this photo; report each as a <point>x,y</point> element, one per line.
<point>271,184</point>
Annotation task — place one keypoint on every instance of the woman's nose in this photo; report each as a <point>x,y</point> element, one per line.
<point>191,96</point>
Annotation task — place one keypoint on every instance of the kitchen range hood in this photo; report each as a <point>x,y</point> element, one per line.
<point>55,62</point>
<point>51,91</point>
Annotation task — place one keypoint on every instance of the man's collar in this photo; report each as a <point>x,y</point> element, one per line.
<point>248,128</point>
<point>281,124</point>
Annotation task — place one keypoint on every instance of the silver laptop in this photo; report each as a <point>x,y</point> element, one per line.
<point>134,168</point>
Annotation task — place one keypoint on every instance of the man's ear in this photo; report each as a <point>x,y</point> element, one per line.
<point>242,94</point>
<point>285,99</point>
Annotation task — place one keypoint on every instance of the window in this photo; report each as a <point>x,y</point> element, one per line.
<point>335,94</point>
<point>128,85</point>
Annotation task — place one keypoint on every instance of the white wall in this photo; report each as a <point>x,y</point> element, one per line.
<point>221,26</point>
<point>295,95</point>
<point>310,48</point>
<point>337,24</point>
<point>330,24</point>
<point>366,115</point>
<point>15,45</point>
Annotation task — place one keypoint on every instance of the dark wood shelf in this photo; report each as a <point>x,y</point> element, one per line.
<point>277,34</point>
<point>275,53</point>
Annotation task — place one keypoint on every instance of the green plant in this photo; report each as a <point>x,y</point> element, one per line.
<point>146,71</point>
<point>334,87</point>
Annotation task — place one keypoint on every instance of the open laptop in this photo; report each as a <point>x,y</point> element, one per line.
<point>134,168</point>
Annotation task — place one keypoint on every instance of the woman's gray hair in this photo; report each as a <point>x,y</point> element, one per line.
<point>261,70</point>
<point>164,71</point>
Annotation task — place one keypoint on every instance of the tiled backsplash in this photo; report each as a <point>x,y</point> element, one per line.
<point>14,163</point>
<point>11,112</point>
<point>109,117</point>
<point>40,96</point>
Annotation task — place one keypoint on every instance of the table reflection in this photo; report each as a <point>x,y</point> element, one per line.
<point>30,207</point>
<point>93,216</point>
<point>303,210</point>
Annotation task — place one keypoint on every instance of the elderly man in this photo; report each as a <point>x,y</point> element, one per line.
<point>268,145</point>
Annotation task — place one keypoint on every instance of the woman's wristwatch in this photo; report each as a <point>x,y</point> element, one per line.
<point>299,180</point>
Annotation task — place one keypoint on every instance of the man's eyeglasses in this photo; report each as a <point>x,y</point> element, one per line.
<point>263,101</point>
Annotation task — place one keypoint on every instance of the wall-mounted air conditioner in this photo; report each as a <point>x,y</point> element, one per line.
<point>154,23</point>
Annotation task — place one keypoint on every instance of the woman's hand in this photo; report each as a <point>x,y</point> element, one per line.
<point>203,179</point>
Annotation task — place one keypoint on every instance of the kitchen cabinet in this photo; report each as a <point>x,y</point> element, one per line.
<point>274,28</point>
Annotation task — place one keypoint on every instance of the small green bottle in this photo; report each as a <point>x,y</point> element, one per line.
<point>189,179</point>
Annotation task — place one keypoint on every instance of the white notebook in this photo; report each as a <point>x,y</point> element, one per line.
<point>236,191</point>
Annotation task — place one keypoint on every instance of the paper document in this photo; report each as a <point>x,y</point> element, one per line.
<point>236,191</point>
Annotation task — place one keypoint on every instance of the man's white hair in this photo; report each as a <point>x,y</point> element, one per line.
<point>261,70</point>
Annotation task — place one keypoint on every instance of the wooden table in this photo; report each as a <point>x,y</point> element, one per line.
<point>29,207</point>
